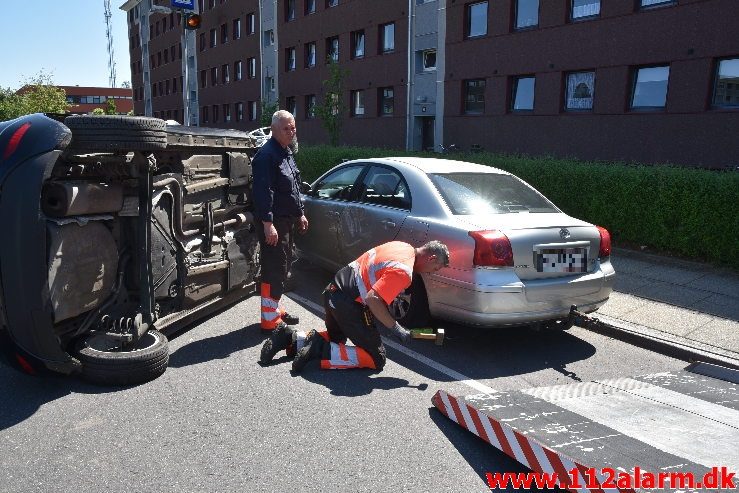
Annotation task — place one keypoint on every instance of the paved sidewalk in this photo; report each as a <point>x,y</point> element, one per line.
<point>675,302</point>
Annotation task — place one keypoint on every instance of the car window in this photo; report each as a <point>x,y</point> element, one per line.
<point>339,184</point>
<point>485,193</point>
<point>384,186</point>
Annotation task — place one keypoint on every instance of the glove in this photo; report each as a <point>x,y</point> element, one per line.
<point>400,334</point>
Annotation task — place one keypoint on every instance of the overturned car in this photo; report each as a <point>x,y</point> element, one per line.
<point>114,229</point>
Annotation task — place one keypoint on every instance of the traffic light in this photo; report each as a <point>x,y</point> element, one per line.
<point>192,21</point>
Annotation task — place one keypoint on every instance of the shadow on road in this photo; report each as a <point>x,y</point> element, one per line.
<point>218,347</point>
<point>353,383</point>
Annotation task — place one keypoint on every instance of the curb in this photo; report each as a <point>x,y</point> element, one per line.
<point>663,343</point>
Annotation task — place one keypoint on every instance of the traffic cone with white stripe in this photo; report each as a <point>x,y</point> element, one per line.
<point>343,357</point>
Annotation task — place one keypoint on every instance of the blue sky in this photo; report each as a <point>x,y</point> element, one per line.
<point>64,38</point>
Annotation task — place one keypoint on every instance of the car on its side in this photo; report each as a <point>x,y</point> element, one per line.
<point>114,229</point>
<point>516,259</point>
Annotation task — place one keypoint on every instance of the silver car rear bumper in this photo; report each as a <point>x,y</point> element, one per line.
<point>518,302</point>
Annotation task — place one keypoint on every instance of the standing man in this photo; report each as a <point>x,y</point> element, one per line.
<point>360,294</point>
<point>278,210</point>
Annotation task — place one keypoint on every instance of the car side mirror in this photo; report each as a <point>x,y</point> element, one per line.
<point>305,188</point>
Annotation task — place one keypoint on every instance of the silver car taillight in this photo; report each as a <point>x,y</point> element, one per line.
<point>492,249</point>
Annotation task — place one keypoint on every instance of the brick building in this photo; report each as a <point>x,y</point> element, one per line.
<point>637,80</point>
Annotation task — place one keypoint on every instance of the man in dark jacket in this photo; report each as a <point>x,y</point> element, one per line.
<point>278,210</point>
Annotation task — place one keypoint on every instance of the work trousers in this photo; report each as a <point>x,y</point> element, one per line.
<point>346,318</point>
<point>275,264</point>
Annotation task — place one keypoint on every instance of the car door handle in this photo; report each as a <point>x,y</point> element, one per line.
<point>388,223</point>
<point>332,214</point>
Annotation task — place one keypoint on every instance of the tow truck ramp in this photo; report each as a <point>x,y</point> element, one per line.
<point>616,432</point>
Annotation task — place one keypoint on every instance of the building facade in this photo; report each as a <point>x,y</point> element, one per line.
<point>654,81</point>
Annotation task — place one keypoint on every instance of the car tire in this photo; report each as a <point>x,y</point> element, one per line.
<point>147,360</point>
<point>411,307</point>
<point>116,133</point>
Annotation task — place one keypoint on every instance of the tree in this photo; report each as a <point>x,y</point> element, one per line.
<point>37,95</point>
<point>98,111</point>
<point>110,108</point>
<point>268,109</point>
<point>126,84</point>
<point>332,108</point>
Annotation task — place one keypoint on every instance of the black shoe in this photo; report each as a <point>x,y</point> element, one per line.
<point>290,319</point>
<point>279,339</point>
<point>310,351</point>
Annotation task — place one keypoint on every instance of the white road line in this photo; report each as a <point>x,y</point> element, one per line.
<point>411,353</point>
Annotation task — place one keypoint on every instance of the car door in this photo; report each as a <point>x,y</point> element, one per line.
<point>324,205</point>
<point>383,202</point>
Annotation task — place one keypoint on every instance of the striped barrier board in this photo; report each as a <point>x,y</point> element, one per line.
<point>681,422</point>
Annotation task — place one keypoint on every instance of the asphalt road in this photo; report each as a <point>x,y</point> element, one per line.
<point>218,421</point>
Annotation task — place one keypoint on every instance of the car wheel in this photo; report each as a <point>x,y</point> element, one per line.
<point>105,362</point>
<point>114,133</point>
<point>411,307</point>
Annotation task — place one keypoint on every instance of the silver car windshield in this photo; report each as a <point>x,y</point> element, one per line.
<point>488,193</point>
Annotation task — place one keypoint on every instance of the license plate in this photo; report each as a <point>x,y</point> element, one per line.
<point>561,260</point>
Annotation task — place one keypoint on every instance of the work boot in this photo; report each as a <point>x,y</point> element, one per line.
<point>311,350</point>
<point>279,339</point>
<point>290,319</point>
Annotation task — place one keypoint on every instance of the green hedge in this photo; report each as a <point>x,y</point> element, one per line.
<point>681,211</point>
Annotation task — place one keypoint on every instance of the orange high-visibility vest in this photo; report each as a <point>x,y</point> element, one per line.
<point>388,269</point>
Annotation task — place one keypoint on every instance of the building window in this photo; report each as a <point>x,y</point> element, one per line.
<point>238,72</point>
<point>226,112</point>
<point>357,44</point>
<point>269,84</point>
<point>476,19</point>
<point>251,66</point>
<point>202,41</point>
<point>387,38</point>
<point>310,54</point>
<point>386,97</point>
<point>239,110</point>
<point>310,7</point>
<point>580,90</point>
<point>310,106</point>
<point>159,58</point>
<point>213,38</point>
<point>583,9</point>
<point>166,56</point>
<point>225,73</point>
<point>291,106</point>
<point>174,85</point>
<point>289,10</point>
<point>215,113</point>
<point>331,3</point>
<point>428,60</point>
<point>214,78</point>
<point>252,111</point>
<point>650,87</point>
<point>332,48</point>
<point>166,87</point>
<point>522,97</point>
<point>237,28</point>
<point>289,59</point>
<point>650,3</point>
<point>250,24</point>
<point>474,97</point>
<point>224,33</point>
<point>204,114</point>
<point>527,13</point>
<point>357,103</point>
<point>269,37</point>
<point>211,4</point>
<point>726,87</point>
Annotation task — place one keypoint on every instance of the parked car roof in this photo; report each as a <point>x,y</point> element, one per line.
<point>435,165</point>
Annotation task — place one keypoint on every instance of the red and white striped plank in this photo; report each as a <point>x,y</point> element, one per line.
<point>526,450</point>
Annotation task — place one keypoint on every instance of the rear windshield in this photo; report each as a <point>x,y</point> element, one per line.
<point>486,193</point>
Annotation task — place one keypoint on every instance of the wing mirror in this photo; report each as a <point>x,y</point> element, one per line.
<point>305,188</point>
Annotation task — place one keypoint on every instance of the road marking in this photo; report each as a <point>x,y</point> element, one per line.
<point>411,353</point>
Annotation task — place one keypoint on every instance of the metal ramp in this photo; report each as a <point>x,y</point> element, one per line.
<point>673,422</point>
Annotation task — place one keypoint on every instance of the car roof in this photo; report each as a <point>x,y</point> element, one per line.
<point>437,165</point>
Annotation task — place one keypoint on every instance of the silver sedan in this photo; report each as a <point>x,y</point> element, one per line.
<point>515,257</point>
